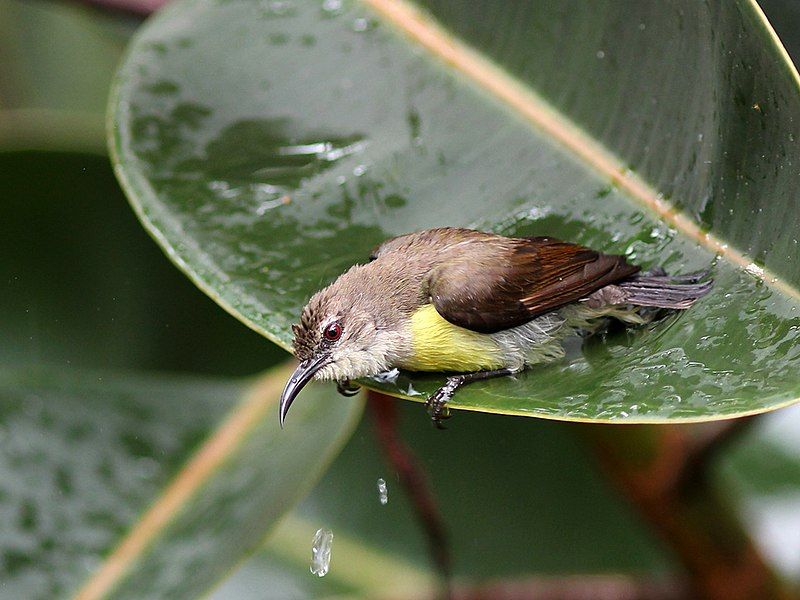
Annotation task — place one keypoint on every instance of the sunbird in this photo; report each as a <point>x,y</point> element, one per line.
<point>474,304</point>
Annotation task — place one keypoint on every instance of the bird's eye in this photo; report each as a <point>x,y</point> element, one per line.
<point>332,332</point>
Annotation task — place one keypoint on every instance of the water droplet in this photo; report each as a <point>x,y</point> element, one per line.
<point>360,25</point>
<point>222,189</point>
<point>383,493</point>
<point>754,269</point>
<point>91,562</point>
<point>411,392</point>
<point>321,552</point>
<point>388,376</point>
<point>332,7</point>
<point>270,204</point>
<point>538,212</point>
<point>279,8</point>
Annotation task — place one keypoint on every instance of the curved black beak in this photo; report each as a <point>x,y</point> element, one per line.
<point>301,376</point>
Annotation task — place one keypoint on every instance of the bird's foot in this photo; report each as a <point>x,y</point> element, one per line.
<point>347,388</point>
<point>437,404</point>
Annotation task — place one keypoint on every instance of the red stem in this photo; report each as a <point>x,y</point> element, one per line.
<point>412,478</point>
<point>136,7</point>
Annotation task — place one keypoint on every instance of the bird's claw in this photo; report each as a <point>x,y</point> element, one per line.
<point>437,409</point>
<point>437,404</point>
<point>347,388</point>
<point>439,416</point>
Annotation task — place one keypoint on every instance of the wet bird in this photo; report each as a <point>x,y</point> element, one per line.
<point>477,305</point>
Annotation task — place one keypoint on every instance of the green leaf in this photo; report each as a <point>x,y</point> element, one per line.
<point>85,287</point>
<point>761,475</point>
<point>58,61</point>
<point>358,570</point>
<point>267,148</point>
<point>116,483</point>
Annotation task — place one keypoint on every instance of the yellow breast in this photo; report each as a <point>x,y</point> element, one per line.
<point>438,345</point>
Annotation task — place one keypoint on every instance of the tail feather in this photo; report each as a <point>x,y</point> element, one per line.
<point>659,277</point>
<point>665,291</point>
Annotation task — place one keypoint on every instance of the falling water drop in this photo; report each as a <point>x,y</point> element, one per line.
<point>321,552</point>
<point>383,493</point>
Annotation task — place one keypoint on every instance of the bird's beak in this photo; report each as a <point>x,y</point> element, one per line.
<point>301,376</point>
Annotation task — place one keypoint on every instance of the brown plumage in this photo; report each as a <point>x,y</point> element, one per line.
<point>523,278</point>
<point>463,300</point>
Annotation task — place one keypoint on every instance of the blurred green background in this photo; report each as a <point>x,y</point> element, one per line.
<point>86,291</point>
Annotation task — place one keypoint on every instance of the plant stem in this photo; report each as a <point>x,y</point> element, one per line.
<point>708,442</point>
<point>575,587</point>
<point>135,7</point>
<point>413,479</point>
<point>657,467</point>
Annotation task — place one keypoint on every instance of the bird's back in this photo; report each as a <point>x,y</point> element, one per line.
<point>488,283</point>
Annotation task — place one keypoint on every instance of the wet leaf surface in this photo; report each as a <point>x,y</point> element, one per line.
<point>266,167</point>
<point>85,454</point>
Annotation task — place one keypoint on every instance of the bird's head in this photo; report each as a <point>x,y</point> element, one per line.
<point>340,336</point>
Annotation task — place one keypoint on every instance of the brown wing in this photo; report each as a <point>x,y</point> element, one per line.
<point>496,287</point>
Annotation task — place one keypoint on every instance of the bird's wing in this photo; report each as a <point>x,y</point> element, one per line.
<point>489,288</point>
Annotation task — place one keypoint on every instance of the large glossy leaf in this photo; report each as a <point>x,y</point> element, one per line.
<point>128,483</point>
<point>268,147</point>
<point>229,512</point>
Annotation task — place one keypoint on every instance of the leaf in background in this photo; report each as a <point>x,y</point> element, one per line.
<point>267,166</point>
<point>85,287</point>
<point>357,570</point>
<point>519,498</point>
<point>530,524</point>
<point>84,454</point>
<point>58,60</point>
<point>785,17</point>
<point>762,475</point>
<point>528,480</point>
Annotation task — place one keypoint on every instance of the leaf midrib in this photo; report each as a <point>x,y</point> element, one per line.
<point>206,461</point>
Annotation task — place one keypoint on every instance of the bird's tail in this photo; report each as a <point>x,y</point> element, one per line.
<point>637,300</point>
<point>659,290</point>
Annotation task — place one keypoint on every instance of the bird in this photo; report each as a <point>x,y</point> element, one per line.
<point>473,304</point>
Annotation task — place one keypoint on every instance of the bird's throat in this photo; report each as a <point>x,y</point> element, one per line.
<point>438,345</point>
